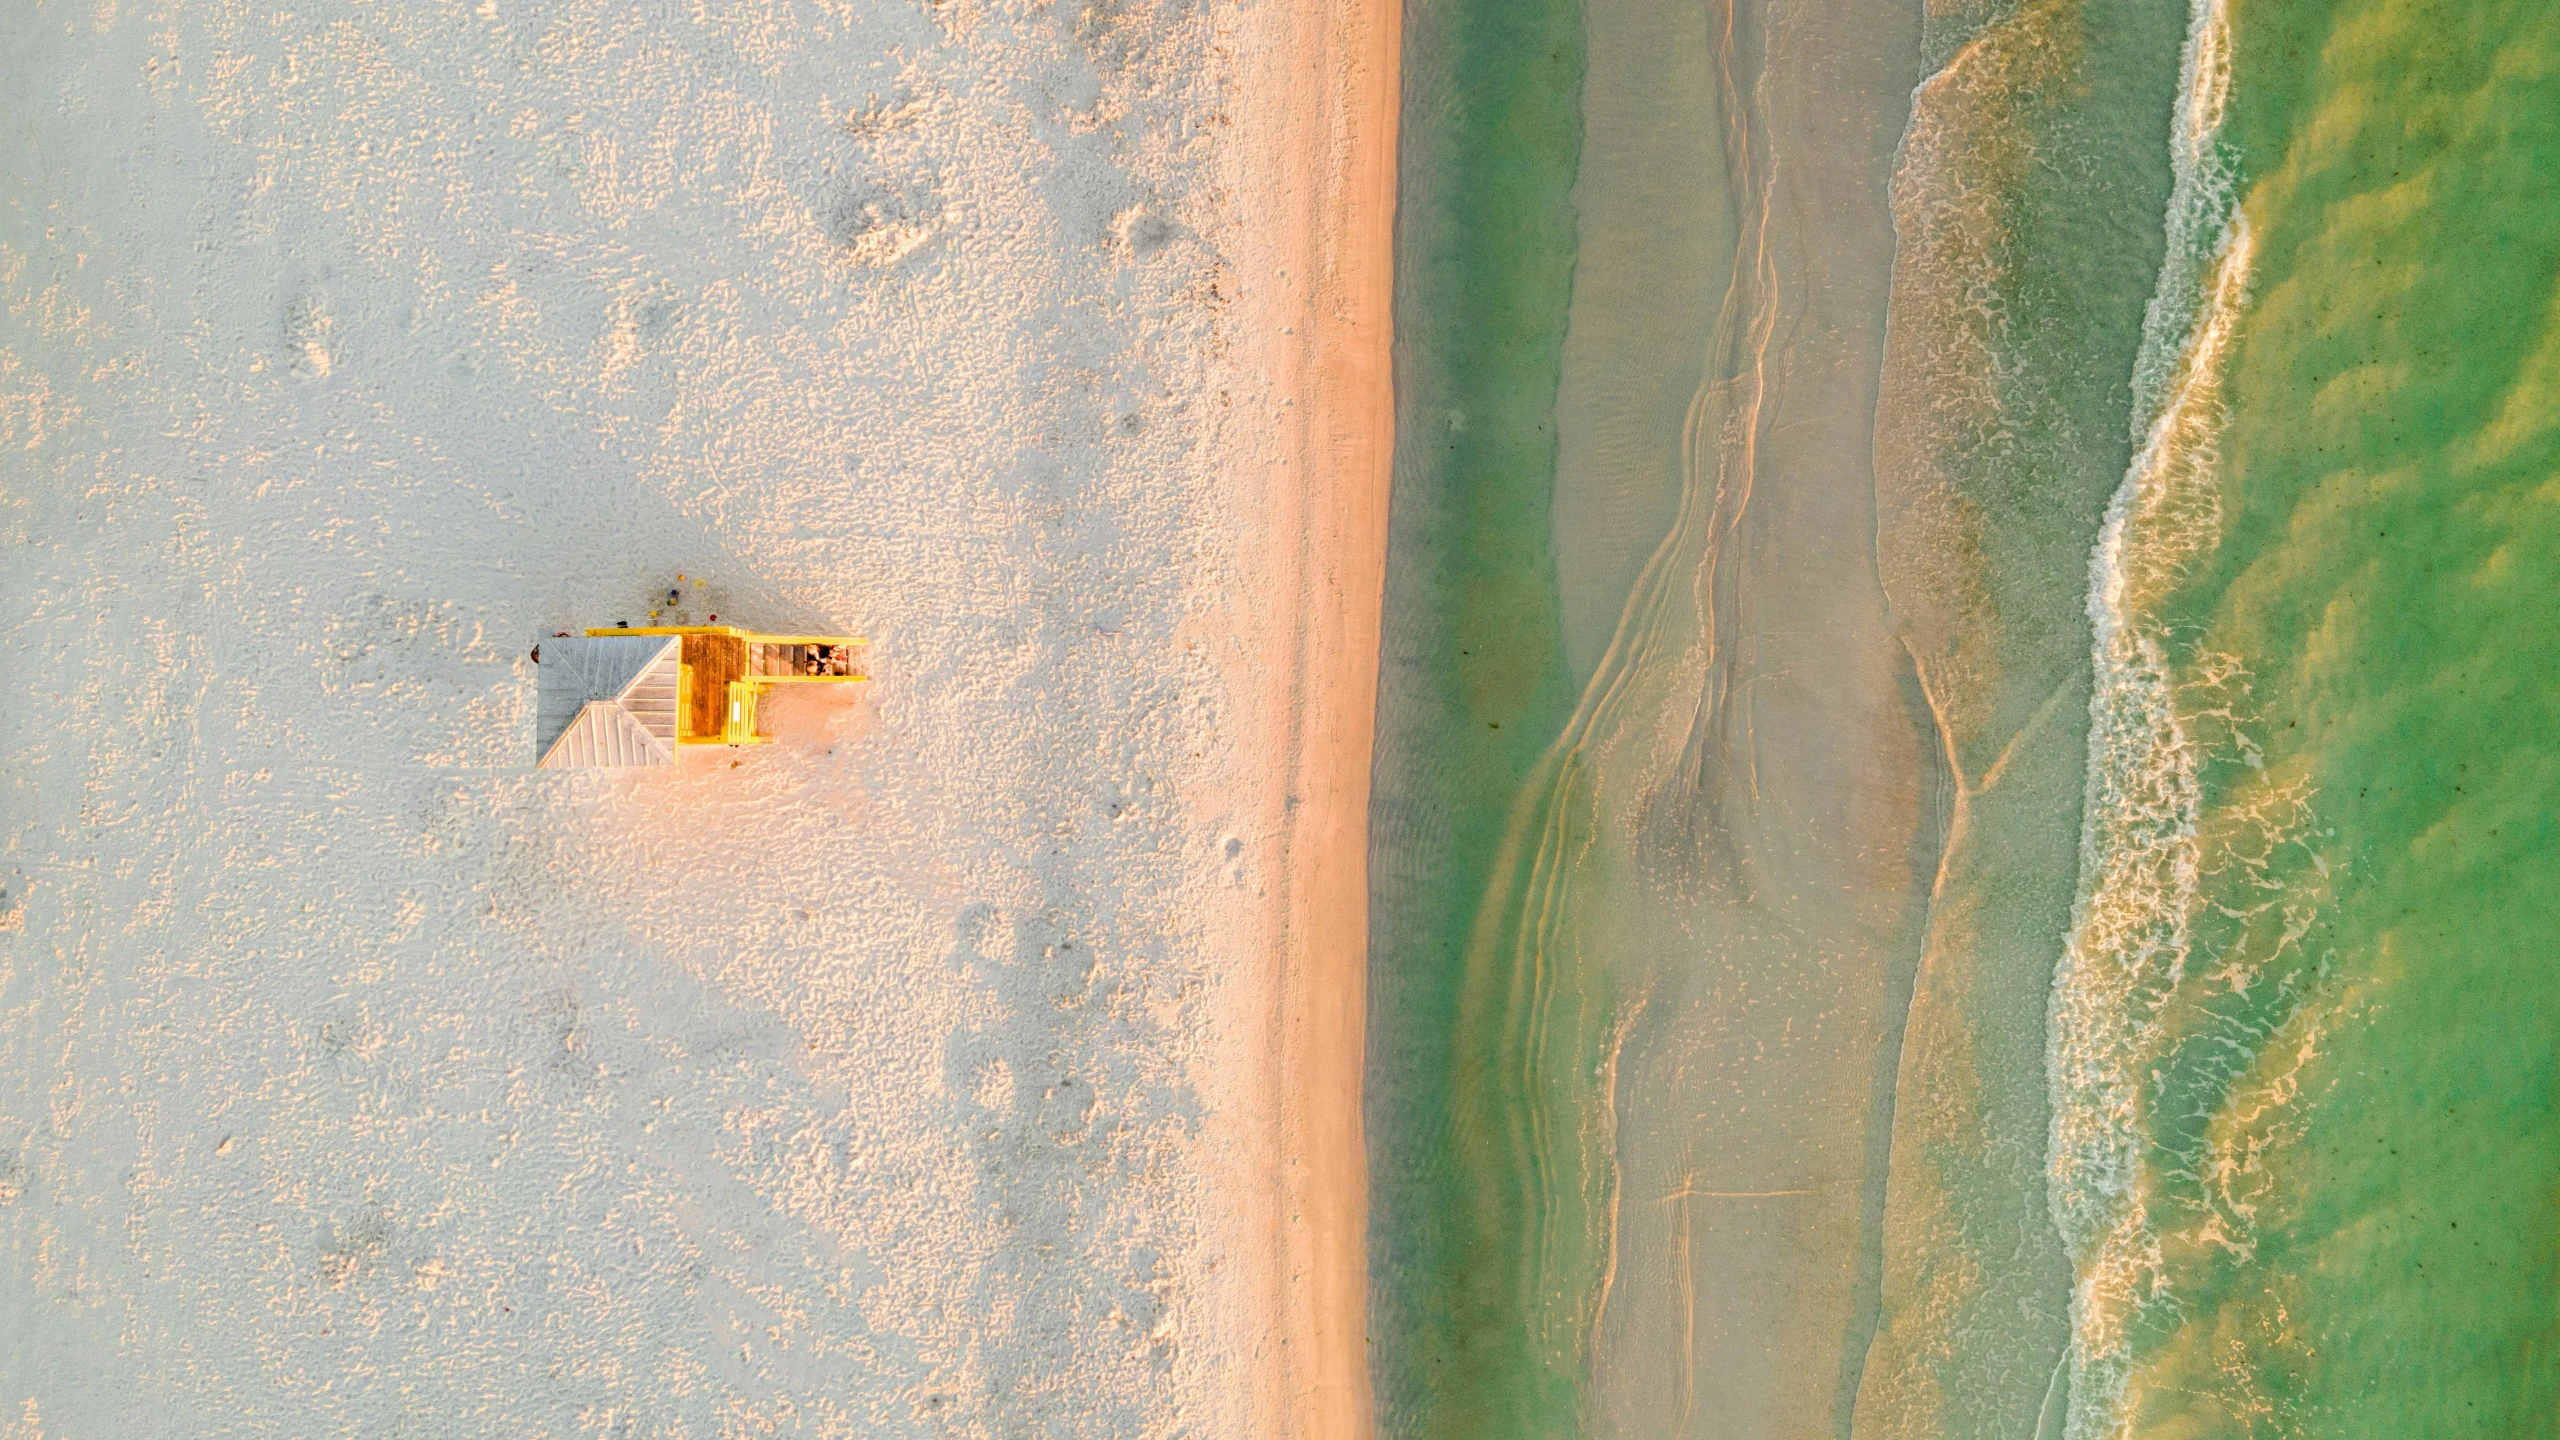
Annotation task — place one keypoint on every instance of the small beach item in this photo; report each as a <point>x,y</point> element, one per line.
<point>624,696</point>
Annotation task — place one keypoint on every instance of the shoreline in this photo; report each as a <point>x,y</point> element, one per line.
<point>1314,250</point>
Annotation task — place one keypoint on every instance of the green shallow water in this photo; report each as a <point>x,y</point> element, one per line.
<point>2028,212</point>
<point>1473,687</point>
<point>2352,1163</point>
<point>1629,1051</point>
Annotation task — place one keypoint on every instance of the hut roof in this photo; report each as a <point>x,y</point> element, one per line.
<point>607,700</point>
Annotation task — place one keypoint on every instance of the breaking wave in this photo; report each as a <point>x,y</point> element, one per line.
<point>2198,880</point>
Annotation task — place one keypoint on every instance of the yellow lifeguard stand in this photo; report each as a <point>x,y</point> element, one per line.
<point>722,671</point>
<point>627,695</point>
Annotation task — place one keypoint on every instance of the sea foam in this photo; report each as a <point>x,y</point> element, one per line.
<point>2131,941</point>
<point>2200,872</point>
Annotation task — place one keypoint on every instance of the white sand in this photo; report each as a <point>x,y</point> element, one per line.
<point>926,1073</point>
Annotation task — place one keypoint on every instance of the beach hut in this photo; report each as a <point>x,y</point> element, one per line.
<point>622,696</point>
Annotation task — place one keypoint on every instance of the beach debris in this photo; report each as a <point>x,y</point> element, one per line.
<point>1141,230</point>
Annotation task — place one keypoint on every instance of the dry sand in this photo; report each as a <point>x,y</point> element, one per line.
<point>1326,234</point>
<point>979,1060</point>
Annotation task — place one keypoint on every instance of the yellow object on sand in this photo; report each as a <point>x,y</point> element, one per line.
<point>629,696</point>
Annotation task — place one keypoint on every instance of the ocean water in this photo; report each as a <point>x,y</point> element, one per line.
<point>1969,859</point>
<point>2302,1059</point>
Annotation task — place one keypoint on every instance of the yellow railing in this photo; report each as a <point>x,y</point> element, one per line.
<point>731,631</point>
<point>739,727</point>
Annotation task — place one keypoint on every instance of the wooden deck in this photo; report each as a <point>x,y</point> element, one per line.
<point>715,660</point>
